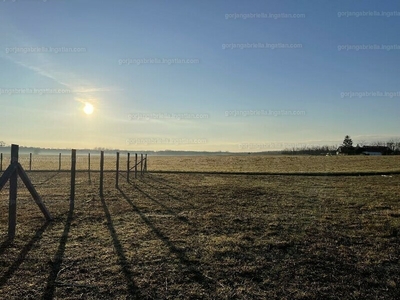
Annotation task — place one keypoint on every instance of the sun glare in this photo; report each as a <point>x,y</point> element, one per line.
<point>88,109</point>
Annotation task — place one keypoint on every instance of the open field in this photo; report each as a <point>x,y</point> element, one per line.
<point>228,163</point>
<point>276,163</point>
<point>198,236</point>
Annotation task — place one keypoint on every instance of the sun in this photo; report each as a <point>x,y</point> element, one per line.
<point>88,109</point>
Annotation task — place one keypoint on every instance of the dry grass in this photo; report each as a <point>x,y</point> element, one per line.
<point>275,164</point>
<point>229,163</point>
<point>170,236</point>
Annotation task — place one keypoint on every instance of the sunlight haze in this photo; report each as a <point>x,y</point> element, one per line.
<point>198,75</point>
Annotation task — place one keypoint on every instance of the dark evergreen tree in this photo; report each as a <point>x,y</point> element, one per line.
<point>347,142</point>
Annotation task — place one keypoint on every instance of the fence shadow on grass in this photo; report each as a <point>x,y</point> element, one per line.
<point>207,283</point>
<point>169,210</point>
<point>47,179</point>
<point>22,255</point>
<point>165,182</point>
<point>132,287</point>
<point>164,192</point>
<point>4,245</point>
<point>58,258</point>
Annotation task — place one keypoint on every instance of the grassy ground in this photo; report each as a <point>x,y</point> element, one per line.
<point>276,164</point>
<point>170,236</point>
<point>230,163</point>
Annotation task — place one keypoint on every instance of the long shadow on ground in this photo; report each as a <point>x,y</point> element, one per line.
<point>21,257</point>
<point>166,183</point>
<point>58,258</point>
<point>4,245</point>
<point>132,287</point>
<point>170,211</point>
<point>164,192</point>
<point>207,283</point>
<point>47,179</point>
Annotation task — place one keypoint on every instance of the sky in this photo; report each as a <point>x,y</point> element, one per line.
<point>253,75</point>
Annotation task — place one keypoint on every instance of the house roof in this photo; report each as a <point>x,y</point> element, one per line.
<point>349,149</point>
<point>375,149</point>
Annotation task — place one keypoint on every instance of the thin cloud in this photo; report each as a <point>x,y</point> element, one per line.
<point>43,65</point>
<point>96,89</point>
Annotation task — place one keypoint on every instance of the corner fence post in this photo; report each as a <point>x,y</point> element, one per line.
<point>117,171</point>
<point>73,175</point>
<point>101,172</point>
<point>11,174</point>
<point>12,211</point>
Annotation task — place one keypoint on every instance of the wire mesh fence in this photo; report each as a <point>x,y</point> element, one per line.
<point>53,173</point>
<point>62,162</point>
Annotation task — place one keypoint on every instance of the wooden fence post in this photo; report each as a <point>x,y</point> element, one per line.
<point>30,161</point>
<point>136,163</point>
<point>12,210</point>
<point>117,173</point>
<point>127,166</point>
<point>1,162</point>
<point>141,164</point>
<point>145,162</point>
<point>11,174</point>
<point>59,162</point>
<point>101,172</point>
<point>33,192</point>
<point>90,179</point>
<point>73,175</point>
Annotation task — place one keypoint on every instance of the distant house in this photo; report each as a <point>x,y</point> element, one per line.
<point>345,150</point>
<point>364,150</point>
<point>374,150</point>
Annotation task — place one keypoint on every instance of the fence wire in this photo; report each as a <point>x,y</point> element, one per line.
<point>84,162</point>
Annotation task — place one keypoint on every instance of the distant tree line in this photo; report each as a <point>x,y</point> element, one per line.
<point>311,150</point>
<point>392,144</point>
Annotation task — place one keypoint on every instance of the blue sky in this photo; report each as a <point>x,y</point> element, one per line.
<point>207,80</point>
